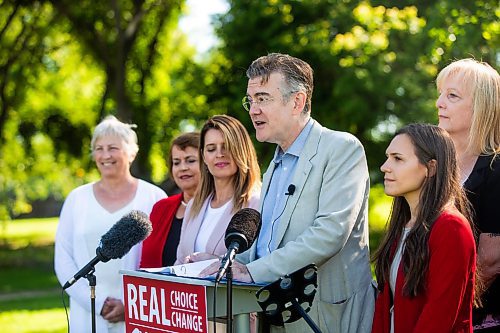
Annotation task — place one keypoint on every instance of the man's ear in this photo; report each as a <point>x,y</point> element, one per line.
<point>431,168</point>
<point>299,101</point>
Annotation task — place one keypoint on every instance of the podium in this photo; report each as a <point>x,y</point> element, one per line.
<point>157,302</point>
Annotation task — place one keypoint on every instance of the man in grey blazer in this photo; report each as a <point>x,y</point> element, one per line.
<point>314,199</point>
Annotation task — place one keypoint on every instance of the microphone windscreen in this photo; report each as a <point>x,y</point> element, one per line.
<point>123,235</point>
<point>246,222</point>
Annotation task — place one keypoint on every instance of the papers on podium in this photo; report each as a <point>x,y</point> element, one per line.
<point>187,270</point>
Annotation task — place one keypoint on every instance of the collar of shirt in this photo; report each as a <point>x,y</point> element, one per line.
<point>296,148</point>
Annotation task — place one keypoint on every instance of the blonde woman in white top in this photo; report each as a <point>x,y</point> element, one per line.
<point>229,181</point>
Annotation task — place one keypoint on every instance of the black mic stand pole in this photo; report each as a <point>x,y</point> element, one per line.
<point>304,315</point>
<point>229,294</point>
<point>92,282</point>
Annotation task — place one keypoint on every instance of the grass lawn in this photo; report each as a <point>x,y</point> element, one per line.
<point>42,313</point>
<point>26,255</point>
<point>21,233</point>
<point>36,321</point>
<point>30,297</point>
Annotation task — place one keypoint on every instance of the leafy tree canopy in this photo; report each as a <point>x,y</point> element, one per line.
<point>65,65</point>
<point>374,64</point>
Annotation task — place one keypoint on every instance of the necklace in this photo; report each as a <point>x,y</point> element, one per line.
<point>184,203</point>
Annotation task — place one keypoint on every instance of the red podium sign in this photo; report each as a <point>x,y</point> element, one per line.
<point>155,306</point>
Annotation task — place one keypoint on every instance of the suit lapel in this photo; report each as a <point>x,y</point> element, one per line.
<point>266,179</point>
<point>302,172</point>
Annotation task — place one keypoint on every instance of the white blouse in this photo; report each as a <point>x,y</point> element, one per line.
<point>394,269</point>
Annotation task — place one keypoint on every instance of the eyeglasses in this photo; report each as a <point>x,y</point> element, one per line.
<point>263,100</point>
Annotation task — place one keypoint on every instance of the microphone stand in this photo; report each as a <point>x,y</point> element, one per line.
<point>229,294</point>
<point>304,315</point>
<point>92,282</point>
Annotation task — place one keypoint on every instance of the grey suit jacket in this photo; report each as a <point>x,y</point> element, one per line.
<point>325,222</point>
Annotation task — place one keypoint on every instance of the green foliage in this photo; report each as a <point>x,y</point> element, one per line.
<point>379,208</point>
<point>44,99</point>
<point>374,64</point>
<point>66,64</point>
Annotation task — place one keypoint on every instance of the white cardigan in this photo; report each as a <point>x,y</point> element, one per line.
<point>72,252</point>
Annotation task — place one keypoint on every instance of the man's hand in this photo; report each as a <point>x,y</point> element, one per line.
<point>240,271</point>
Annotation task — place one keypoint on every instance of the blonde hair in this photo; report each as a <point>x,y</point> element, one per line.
<point>240,146</point>
<point>483,83</point>
<point>111,126</point>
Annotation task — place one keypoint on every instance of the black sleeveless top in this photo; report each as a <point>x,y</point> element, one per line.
<point>170,248</point>
<point>483,191</point>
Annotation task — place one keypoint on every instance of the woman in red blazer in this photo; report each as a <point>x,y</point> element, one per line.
<point>425,266</point>
<point>160,248</point>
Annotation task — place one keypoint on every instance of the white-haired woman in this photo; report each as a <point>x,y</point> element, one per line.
<point>88,212</point>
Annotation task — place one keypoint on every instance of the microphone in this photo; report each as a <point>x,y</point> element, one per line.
<point>291,189</point>
<point>120,238</point>
<point>240,235</point>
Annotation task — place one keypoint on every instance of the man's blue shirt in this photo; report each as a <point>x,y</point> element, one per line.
<point>275,198</point>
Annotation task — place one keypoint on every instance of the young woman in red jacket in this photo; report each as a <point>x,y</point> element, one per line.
<point>425,266</point>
